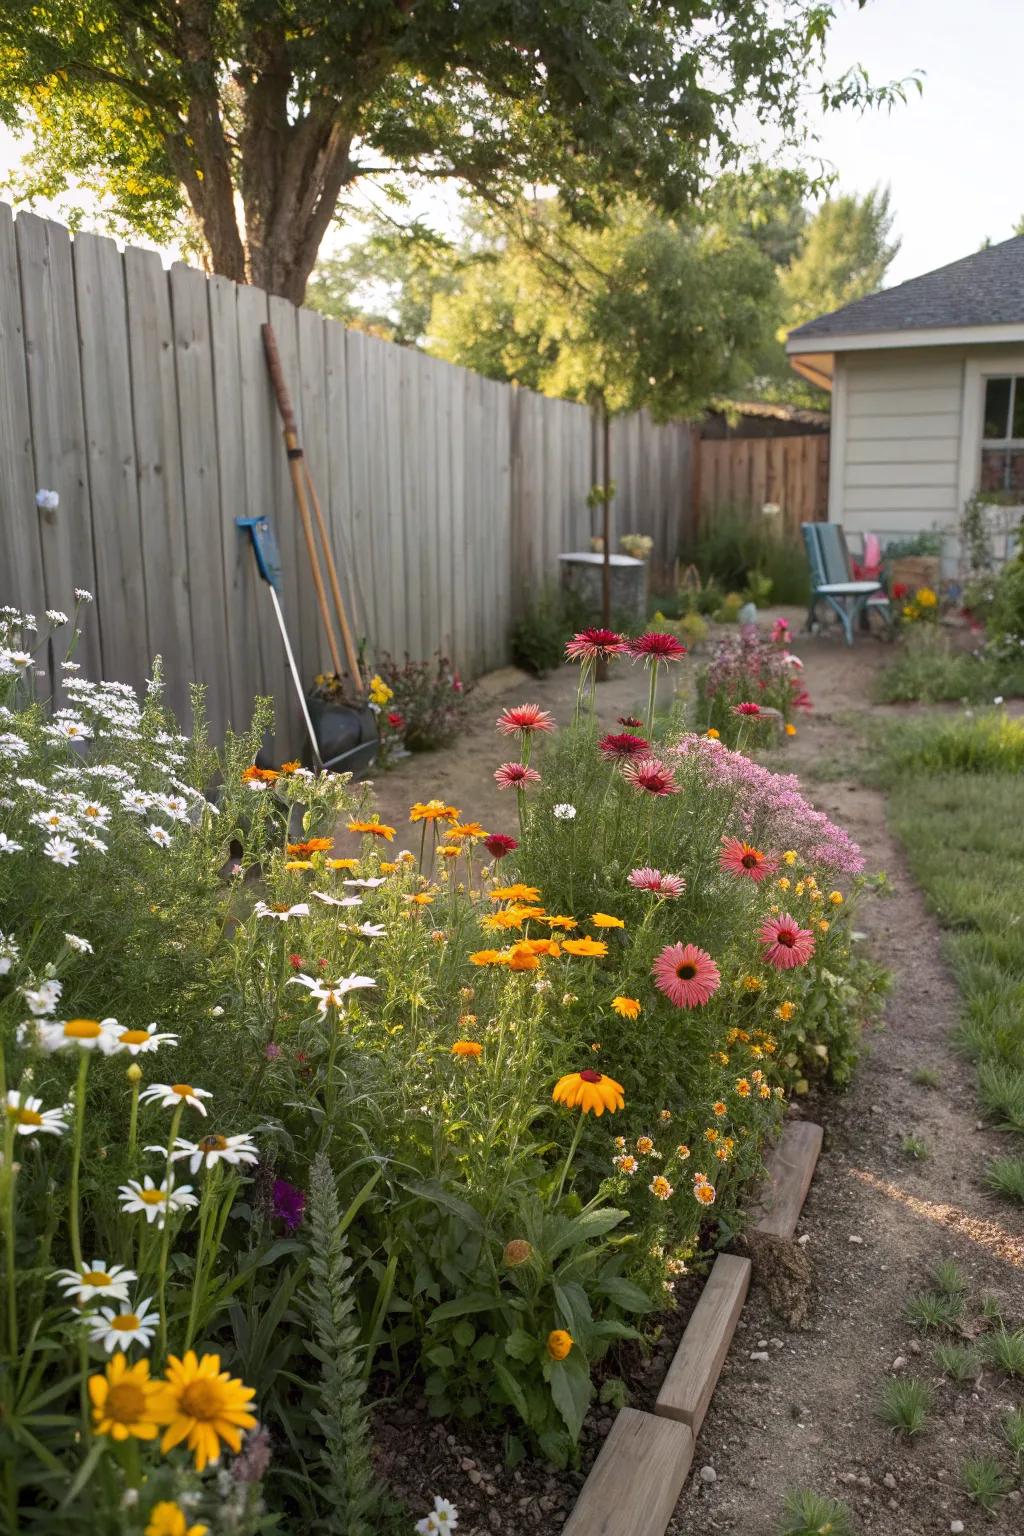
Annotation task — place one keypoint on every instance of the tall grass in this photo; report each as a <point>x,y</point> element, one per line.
<point>928,667</point>
<point>990,742</point>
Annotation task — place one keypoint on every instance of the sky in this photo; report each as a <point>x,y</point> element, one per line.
<point>951,156</point>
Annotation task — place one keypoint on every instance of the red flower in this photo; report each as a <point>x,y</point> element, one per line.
<point>624,745</point>
<point>899,590</point>
<point>747,708</point>
<point>515,776</point>
<point>524,718</point>
<point>396,721</point>
<point>655,646</point>
<point>687,975</point>
<point>741,858</point>
<point>647,879</point>
<point>296,962</point>
<point>594,644</point>
<point>649,774</point>
<point>498,845</point>
<point>631,722</point>
<point>786,944</point>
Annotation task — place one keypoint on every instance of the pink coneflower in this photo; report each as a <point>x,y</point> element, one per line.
<point>625,744</point>
<point>687,975</point>
<point>515,776</point>
<point>647,879</point>
<point>747,708</point>
<point>786,944</point>
<point>594,645</point>
<point>656,646</point>
<point>650,775</point>
<point>523,719</point>
<point>499,844</point>
<point>740,858</point>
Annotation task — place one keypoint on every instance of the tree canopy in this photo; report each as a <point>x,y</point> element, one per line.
<point>252,118</point>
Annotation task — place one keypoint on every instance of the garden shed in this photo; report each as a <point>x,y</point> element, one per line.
<point>927,383</point>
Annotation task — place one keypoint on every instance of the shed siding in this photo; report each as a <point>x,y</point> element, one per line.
<point>900,471</point>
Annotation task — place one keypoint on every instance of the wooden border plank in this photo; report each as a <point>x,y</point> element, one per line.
<point>693,1374</point>
<point>635,1483</point>
<point>790,1171</point>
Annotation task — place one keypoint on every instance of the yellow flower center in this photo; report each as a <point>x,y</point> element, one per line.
<point>127,1322</point>
<point>82,1029</point>
<point>213,1144</point>
<point>202,1399</point>
<point>92,810</point>
<point>126,1403</point>
<point>151,1196</point>
<point>183,1090</point>
<point>24,1116</point>
<point>133,1036</point>
<point>95,1277</point>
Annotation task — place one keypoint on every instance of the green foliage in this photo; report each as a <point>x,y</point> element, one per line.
<point>1011,1427</point>
<point>987,743</point>
<point>960,1363</point>
<point>985,1481</point>
<point>949,1278</point>
<point>844,255</point>
<point>916,1148</point>
<point>904,1404</point>
<point>734,545</point>
<point>1005,1350</point>
<point>934,1309</point>
<point>346,1475</point>
<point>1006,1176</point>
<point>545,622</point>
<point>386,282</point>
<point>429,698</point>
<point>812,1514</point>
<point>926,1077</point>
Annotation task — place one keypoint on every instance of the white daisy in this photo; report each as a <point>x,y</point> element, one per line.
<point>141,1041</point>
<point>330,994</point>
<point>8,845</point>
<point>61,850</point>
<point>155,1200</point>
<point>74,730</point>
<point>47,501</point>
<point>87,1034</point>
<point>94,813</point>
<point>137,801</point>
<point>43,999</point>
<point>175,806</point>
<point>18,661</point>
<point>159,835</point>
<point>170,1095</point>
<point>53,820</point>
<point>280,911</point>
<point>367,885</point>
<point>80,946</point>
<point>118,1330</point>
<point>212,1149</point>
<point>372,930</point>
<point>28,1115</point>
<point>84,1285</point>
<point>338,901</point>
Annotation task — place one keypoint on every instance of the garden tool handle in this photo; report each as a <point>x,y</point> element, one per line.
<point>284,400</point>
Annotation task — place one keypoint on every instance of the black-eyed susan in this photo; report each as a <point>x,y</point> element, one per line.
<point>203,1406</point>
<point>125,1403</point>
<point>590,1091</point>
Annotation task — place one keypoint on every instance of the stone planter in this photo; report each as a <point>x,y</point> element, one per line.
<point>582,573</point>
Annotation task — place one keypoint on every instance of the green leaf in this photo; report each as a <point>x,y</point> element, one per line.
<point>476,1301</point>
<point>571,1390</point>
<point>512,1390</point>
<point>484,1347</point>
<point>521,1345</point>
<point>436,1193</point>
<point>625,1294</point>
<point>584,1228</point>
<point>441,1356</point>
<point>464,1334</point>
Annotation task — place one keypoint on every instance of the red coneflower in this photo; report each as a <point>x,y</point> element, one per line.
<point>630,722</point>
<point>524,718</point>
<point>687,975</point>
<point>515,776</point>
<point>786,944</point>
<point>741,858</point>
<point>594,645</point>
<point>625,744</point>
<point>649,774</point>
<point>657,646</point>
<point>747,708</point>
<point>498,844</point>
<point>647,879</point>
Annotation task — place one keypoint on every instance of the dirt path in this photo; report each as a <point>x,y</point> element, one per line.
<point>875,1223</point>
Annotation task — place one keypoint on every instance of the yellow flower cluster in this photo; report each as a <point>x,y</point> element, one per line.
<point>196,1402</point>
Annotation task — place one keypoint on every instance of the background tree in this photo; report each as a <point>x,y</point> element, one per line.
<point>255,116</point>
<point>845,251</point>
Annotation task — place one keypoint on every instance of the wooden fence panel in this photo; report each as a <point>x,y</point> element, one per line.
<point>21,553</point>
<point>743,474</point>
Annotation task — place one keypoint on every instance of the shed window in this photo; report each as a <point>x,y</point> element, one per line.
<point>1002,448</point>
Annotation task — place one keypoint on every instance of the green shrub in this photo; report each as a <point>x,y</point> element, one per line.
<point>904,1404</point>
<point>429,698</point>
<point>809,1514</point>
<point>546,621</point>
<point>990,742</point>
<point>735,544</point>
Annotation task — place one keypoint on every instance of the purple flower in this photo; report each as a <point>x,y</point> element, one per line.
<point>289,1204</point>
<point>272,1050</point>
<point>251,1466</point>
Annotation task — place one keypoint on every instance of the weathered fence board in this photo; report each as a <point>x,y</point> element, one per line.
<point>141,396</point>
<point>742,474</point>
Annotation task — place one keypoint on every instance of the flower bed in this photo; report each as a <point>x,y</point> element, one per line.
<point>290,1102</point>
<point>750,683</point>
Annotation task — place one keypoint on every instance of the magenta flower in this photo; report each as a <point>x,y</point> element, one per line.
<point>289,1204</point>
<point>625,744</point>
<point>747,708</point>
<point>647,879</point>
<point>786,944</point>
<point>594,645</point>
<point>515,776</point>
<point>651,775</point>
<point>740,858</point>
<point>687,975</point>
<point>656,646</point>
<point>522,719</point>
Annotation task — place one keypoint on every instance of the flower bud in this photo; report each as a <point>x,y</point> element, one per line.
<point>134,1073</point>
<point>517,1252</point>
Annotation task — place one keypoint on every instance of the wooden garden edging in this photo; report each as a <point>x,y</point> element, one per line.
<point>635,1483</point>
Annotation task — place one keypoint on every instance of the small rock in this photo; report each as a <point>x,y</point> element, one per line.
<point>759,1354</point>
<point>956,1525</point>
<point>889,1480</point>
<point>762,1343</point>
<point>708,1475</point>
<point>900,1363</point>
<point>854,1238</point>
<point>979,1125</point>
<point>776,1343</point>
<point>467,1464</point>
<point>474,1476</point>
<point>914,1346</point>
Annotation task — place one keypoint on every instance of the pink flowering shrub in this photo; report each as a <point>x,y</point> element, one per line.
<point>747,668</point>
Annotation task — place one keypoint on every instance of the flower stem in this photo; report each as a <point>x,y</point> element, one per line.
<point>571,1154</point>
<point>76,1157</point>
<point>9,1177</point>
<point>652,699</point>
<point>165,1236</point>
<point>133,1122</point>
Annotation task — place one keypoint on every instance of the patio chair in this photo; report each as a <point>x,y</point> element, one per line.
<point>832,582</point>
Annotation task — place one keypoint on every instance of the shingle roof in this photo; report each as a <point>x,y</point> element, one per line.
<point>984,289</point>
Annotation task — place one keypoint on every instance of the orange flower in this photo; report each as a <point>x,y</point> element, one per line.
<point>486,957</point>
<point>584,947</point>
<point>590,1091</point>
<point>292,767</point>
<point>385,866</point>
<point>603,920</point>
<point>718,1108</point>
<point>421,899</point>
<point>567,923</point>
<point>467,1048</point>
<point>704,1193</point>
<point>372,828</point>
<point>311,845</point>
<point>540,946</point>
<point>517,892</point>
<point>449,853</point>
<point>433,810</point>
<point>626,1007</point>
<point>520,958</point>
<point>743,1088</point>
<point>712,733</point>
<point>559,1343</point>
<point>299,864</point>
<point>343,863</point>
<point>465,829</point>
<point>256,775</point>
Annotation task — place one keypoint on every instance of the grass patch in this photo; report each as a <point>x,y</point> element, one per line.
<point>929,668</point>
<point>958,1362</point>
<point>926,1077</point>
<point>808,1514</point>
<point>1005,1350</point>
<point>1011,1427</point>
<point>990,741</point>
<point>934,1309</point>
<point>915,1147</point>
<point>949,1278</point>
<point>985,1481</point>
<point>905,1405</point>
<point>1006,1176</point>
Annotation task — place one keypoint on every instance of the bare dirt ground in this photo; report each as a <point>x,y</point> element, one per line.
<point>875,1223</point>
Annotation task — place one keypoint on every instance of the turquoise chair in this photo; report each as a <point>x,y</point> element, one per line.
<point>833,584</point>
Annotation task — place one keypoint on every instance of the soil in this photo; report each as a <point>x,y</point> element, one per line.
<point>875,1223</point>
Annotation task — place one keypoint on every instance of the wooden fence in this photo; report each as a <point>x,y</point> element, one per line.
<point>140,395</point>
<point>746,473</point>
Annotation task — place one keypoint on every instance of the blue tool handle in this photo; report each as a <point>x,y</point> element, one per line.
<point>264,544</point>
